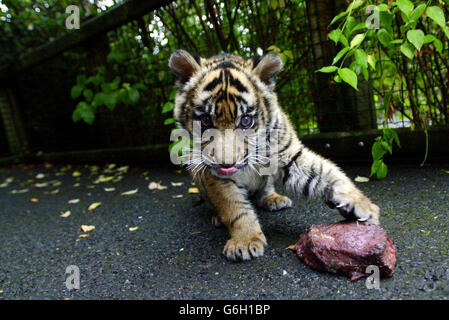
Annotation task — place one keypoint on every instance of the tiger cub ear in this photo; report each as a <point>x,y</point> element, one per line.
<point>183,65</point>
<point>268,67</point>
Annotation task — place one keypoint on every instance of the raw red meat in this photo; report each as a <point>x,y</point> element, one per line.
<point>347,248</point>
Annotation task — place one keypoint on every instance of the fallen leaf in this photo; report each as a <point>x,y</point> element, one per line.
<point>292,247</point>
<point>445,171</point>
<point>361,179</point>
<point>76,185</point>
<point>41,185</point>
<point>109,189</point>
<point>128,193</point>
<point>111,166</point>
<point>19,191</point>
<point>178,171</point>
<point>94,206</point>
<point>153,185</point>
<point>103,178</point>
<point>83,236</point>
<point>177,196</point>
<point>34,200</point>
<point>57,183</point>
<point>74,201</point>
<point>76,174</point>
<point>54,191</point>
<point>133,228</point>
<point>196,232</point>
<point>40,176</point>
<point>69,298</point>
<point>123,169</point>
<point>194,190</point>
<point>1,291</point>
<point>66,214</point>
<point>177,184</point>
<point>86,228</point>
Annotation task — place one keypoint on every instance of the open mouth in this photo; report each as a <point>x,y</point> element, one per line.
<point>227,170</point>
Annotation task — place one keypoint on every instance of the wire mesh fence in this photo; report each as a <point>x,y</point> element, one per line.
<point>298,30</point>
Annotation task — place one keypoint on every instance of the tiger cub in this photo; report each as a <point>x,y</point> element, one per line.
<point>229,93</point>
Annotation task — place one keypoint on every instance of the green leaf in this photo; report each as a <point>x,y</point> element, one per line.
<point>375,167</point>
<point>357,40</point>
<point>134,95</point>
<point>408,50</point>
<point>335,35</point>
<point>416,37</point>
<point>436,14</point>
<point>168,106</point>
<point>338,17</point>
<point>387,147</point>
<point>384,37</point>
<point>418,12</point>
<point>382,170</point>
<point>372,61</point>
<point>88,94</point>
<point>340,54</point>
<point>429,38</point>
<point>377,150</point>
<point>106,99</point>
<point>328,69</point>
<point>76,91</point>
<point>85,112</point>
<point>361,58</point>
<point>438,45</point>
<point>169,121</point>
<point>289,54</point>
<point>348,76</point>
<point>406,6</point>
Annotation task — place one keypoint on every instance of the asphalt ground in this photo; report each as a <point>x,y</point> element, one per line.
<point>175,253</point>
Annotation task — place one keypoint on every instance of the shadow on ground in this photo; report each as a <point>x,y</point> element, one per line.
<point>176,252</point>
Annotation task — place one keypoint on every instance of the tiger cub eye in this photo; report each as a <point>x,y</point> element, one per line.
<point>246,121</point>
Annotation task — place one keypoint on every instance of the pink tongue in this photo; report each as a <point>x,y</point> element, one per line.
<point>230,170</point>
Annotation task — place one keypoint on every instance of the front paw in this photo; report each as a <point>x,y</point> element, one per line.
<point>241,249</point>
<point>275,202</point>
<point>360,209</point>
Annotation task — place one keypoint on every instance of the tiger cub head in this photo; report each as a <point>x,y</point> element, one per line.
<point>227,95</point>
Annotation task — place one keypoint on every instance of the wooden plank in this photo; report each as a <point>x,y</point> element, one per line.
<point>108,21</point>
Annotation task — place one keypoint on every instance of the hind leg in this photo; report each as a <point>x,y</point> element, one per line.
<point>270,200</point>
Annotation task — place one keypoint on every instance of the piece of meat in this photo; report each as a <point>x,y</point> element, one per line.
<point>347,248</point>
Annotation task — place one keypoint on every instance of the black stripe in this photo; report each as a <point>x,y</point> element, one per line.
<point>214,83</point>
<point>237,84</point>
<point>305,189</point>
<point>287,167</point>
<point>241,215</point>
<point>287,145</point>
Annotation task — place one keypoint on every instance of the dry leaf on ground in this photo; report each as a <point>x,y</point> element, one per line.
<point>94,206</point>
<point>177,184</point>
<point>87,228</point>
<point>74,201</point>
<point>292,247</point>
<point>66,214</point>
<point>83,235</point>
<point>133,228</point>
<point>34,200</point>
<point>194,190</point>
<point>361,179</point>
<point>128,193</point>
<point>76,174</point>
<point>177,196</point>
<point>109,189</point>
